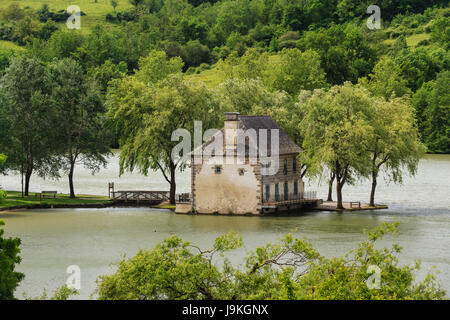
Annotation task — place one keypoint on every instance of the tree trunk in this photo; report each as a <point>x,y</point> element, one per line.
<point>372,193</point>
<point>330,187</point>
<point>374,178</point>
<point>28,173</point>
<point>173,185</point>
<point>72,190</point>
<point>27,181</point>
<point>339,186</point>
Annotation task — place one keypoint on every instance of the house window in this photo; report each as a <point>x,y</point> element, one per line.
<point>218,170</point>
<point>286,195</point>
<point>294,164</point>
<point>267,191</point>
<point>241,172</point>
<point>285,166</point>
<point>295,188</point>
<point>276,192</point>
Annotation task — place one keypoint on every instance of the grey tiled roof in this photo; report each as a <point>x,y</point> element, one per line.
<point>287,146</point>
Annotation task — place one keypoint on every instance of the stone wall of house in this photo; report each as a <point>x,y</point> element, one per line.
<point>232,189</point>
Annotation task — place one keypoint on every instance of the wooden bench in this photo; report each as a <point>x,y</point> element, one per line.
<point>49,194</point>
<point>355,203</point>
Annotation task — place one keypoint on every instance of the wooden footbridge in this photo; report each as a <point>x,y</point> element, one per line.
<point>141,197</point>
<point>138,196</point>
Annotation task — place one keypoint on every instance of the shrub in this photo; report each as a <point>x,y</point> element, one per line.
<point>3,195</point>
<point>9,257</point>
<point>290,269</point>
<point>425,42</point>
<point>110,17</point>
<point>127,16</point>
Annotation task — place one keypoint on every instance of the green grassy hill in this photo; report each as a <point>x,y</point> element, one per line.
<point>95,12</point>
<point>8,45</point>
<point>415,28</point>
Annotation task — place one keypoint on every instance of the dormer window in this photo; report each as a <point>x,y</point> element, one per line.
<point>294,164</point>
<point>285,166</point>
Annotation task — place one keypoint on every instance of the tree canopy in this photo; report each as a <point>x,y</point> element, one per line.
<point>146,115</point>
<point>77,107</point>
<point>335,130</point>
<point>24,93</point>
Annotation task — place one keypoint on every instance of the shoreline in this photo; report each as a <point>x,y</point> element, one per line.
<point>19,208</point>
<point>53,206</point>
<point>111,203</point>
<point>332,206</point>
<point>84,201</point>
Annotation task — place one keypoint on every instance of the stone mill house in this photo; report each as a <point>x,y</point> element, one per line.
<point>245,185</point>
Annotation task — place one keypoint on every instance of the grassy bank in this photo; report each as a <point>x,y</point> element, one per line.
<point>8,45</point>
<point>15,199</point>
<point>95,11</point>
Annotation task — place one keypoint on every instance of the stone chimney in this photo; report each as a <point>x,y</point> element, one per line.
<point>231,125</point>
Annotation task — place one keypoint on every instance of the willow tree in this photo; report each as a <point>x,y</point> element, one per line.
<point>335,130</point>
<point>394,143</point>
<point>146,115</point>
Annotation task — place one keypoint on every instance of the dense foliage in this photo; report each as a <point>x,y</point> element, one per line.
<point>290,269</point>
<point>254,56</point>
<point>9,257</point>
<point>148,107</point>
<point>359,135</point>
<point>52,117</point>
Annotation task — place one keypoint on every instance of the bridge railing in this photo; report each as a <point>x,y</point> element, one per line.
<point>183,197</point>
<point>283,198</point>
<point>140,195</point>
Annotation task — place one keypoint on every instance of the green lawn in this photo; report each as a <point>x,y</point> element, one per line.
<point>413,40</point>
<point>14,199</point>
<point>211,78</point>
<point>95,12</point>
<point>8,45</point>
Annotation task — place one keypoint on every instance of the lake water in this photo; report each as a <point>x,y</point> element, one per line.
<point>93,239</point>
